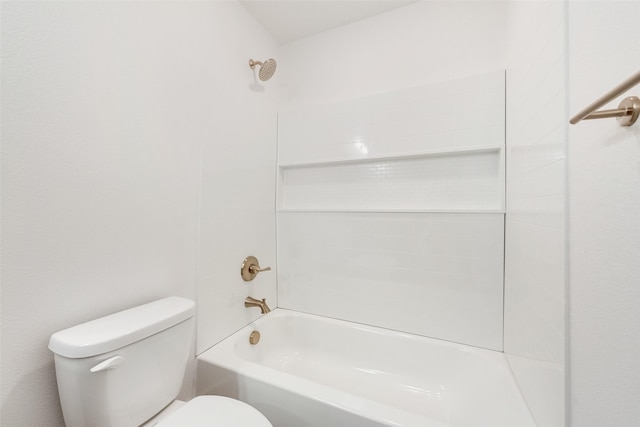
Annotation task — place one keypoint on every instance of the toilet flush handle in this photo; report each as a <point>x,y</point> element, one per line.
<point>111,362</point>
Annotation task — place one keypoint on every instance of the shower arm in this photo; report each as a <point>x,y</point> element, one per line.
<point>253,63</point>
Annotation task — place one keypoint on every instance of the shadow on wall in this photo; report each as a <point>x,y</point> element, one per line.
<point>42,379</point>
<point>614,138</point>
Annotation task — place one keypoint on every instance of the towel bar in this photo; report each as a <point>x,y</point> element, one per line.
<point>627,112</point>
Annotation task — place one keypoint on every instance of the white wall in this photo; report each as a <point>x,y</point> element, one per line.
<point>431,274</point>
<point>393,206</point>
<point>109,112</point>
<point>366,255</point>
<point>535,221</point>
<point>604,230</point>
<point>238,176</point>
<point>424,42</point>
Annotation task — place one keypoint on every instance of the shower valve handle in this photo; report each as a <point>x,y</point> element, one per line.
<point>250,268</point>
<point>257,269</point>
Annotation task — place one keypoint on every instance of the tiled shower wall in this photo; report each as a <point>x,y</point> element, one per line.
<point>390,210</point>
<point>534,339</point>
<point>604,236</point>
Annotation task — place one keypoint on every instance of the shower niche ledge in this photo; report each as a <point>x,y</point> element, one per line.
<point>455,180</point>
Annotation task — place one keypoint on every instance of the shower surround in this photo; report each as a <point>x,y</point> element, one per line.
<point>391,210</point>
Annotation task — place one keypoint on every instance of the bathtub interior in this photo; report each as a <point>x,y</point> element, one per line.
<point>445,382</point>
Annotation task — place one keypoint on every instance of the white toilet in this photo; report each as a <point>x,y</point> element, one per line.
<point>124,369</point>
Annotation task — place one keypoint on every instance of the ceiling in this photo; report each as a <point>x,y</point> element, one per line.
<point>289,20</point>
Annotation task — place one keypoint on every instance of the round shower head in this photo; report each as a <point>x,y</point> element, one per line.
<point>267,68</point>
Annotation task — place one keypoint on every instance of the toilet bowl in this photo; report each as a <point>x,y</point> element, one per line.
<point>212,411</point>
<point>123,370</point>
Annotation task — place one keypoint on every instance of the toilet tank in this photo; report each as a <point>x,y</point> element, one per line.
<point>120,370</point>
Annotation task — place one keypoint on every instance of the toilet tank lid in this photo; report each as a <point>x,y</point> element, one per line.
<point>120,329</point>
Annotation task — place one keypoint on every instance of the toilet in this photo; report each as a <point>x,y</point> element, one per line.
<point>126,370</point>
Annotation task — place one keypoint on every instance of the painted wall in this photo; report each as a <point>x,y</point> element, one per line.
<point>237,215</point>
<point>110,111</point>
<point>535,300</point>
<point>604,230</point>
<point>425,42</point>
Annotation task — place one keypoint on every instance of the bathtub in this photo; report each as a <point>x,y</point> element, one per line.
<point>312,371</point>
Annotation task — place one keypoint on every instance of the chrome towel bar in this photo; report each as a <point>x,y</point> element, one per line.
<point>627,112</point>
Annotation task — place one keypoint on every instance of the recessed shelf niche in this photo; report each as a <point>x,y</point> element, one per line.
<point>455,181</point>
<point>432,148</point>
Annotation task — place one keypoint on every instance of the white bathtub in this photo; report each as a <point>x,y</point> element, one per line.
<point>311,371</point>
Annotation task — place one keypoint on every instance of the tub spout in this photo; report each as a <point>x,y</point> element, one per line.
<point>252,302</point>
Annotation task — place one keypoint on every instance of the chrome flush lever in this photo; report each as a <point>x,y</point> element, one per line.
<point>250,268</point>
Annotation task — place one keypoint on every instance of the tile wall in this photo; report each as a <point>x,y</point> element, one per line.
<point>604,237</point>
<point>402,225</point>
<point>535,300</point>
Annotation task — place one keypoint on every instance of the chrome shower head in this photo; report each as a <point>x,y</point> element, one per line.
<point>267,68</point>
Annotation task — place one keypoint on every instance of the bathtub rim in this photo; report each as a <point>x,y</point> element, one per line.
<point>223,356</point>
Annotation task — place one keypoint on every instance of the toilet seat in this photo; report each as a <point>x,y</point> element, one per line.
<point>215,411</point>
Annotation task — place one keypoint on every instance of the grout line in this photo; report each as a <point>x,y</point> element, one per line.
<point>275,209</point>
<point>504,222</point>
